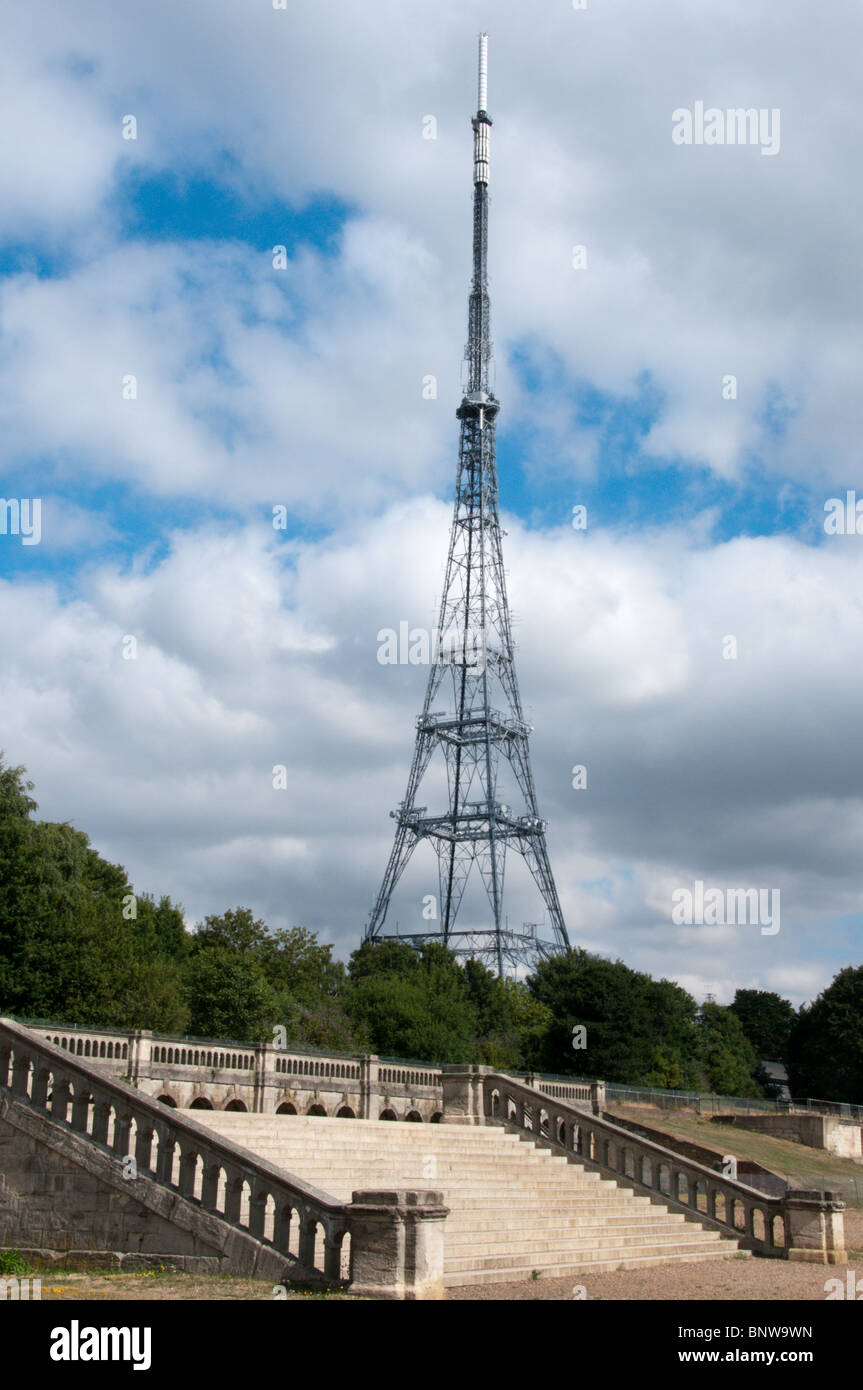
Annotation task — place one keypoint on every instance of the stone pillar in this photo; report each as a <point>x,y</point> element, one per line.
<point>397,1244</point>
<point>138,1062</point>
<point>262,1060</point>
<point>597,1097</point>
<point>814,1227</point>
<point>463,1094</point>
<point>369,1086</point>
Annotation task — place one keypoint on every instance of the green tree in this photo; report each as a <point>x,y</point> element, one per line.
<point>728,1061</point>
<point>767,1020</point>
<point>610,1001</point>
<point>228,995</point>
<point>412,1005</point>
<point>825,1058</point>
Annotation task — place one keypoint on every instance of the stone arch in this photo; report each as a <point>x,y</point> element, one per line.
<point>414,1117</point>
<point>316,1109</point>
<point>345,1113</point>
<point>287,1107</point>
<point>436,1118</point>
<point>388,1114</point>
<point>167,1100</point>
<point>236,1104</point>
<point>201,1103</point>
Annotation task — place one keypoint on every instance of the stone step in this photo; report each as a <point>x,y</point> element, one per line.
<point>515,1207</point>
<point>548,1261</point>
<point>482,1227</point>
<point>601,1265</point>
<point>461,1246</point>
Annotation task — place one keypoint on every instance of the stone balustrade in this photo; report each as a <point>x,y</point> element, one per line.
<point>298,1222</point>
<point>801,1225</point>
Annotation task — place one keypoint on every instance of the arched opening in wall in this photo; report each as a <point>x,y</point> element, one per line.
<point>759,1225</point>
<point>544,1123</point>
<point>719,1208</point>
<point>316,1110</point>
<point>201,1103</point>
<point>738,1216</point>
<point>345,1113</point>
<point>663,1175</point>
<point>777,1227</point>
<point>110,1052</point>
<point>286,1108</point>
<point>345,1257</point>
<point>388,1115</point>
<point>700,1194</point>
<point>236,1105</point>
<point>414,1117</point>
<point>270,1217</point>
<point>167,1100</point>
<point>436,1118</point>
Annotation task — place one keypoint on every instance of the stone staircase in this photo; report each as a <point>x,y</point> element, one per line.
<point>514,1208</point>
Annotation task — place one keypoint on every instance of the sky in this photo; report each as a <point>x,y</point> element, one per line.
<point>231,258</point>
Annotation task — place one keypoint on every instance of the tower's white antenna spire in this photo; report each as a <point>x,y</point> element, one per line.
<point>482,104</point>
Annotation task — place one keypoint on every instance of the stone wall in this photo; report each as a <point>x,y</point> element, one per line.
<point>828,1132</point>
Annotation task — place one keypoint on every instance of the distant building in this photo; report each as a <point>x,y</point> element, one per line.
<point>775,1080</point>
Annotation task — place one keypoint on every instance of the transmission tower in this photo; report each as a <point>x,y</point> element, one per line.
<point>473,674</point>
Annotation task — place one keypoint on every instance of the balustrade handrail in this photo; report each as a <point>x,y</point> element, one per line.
<point>136,1105</point>
<point>626,1136</point>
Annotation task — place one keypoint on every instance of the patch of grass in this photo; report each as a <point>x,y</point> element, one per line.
<point>11,1262</point>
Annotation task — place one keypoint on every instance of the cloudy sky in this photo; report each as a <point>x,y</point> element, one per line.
<point>164,386</point>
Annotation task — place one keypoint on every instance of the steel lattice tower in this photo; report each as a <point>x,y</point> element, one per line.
<point>472,661</point>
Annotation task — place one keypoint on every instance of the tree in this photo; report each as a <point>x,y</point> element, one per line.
<point>825,1058</point>
<point>767,1020</point>
<point>412,1005</point>
<point>610,1001</point>
<point>228,995</point>
<point>728,1061</point>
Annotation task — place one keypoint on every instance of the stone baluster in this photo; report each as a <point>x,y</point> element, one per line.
<point>101,1121</point>
<point>61,1095</point>
<point>20,1074</point>
<point>144,1145</point>
<point>210,1184</point>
